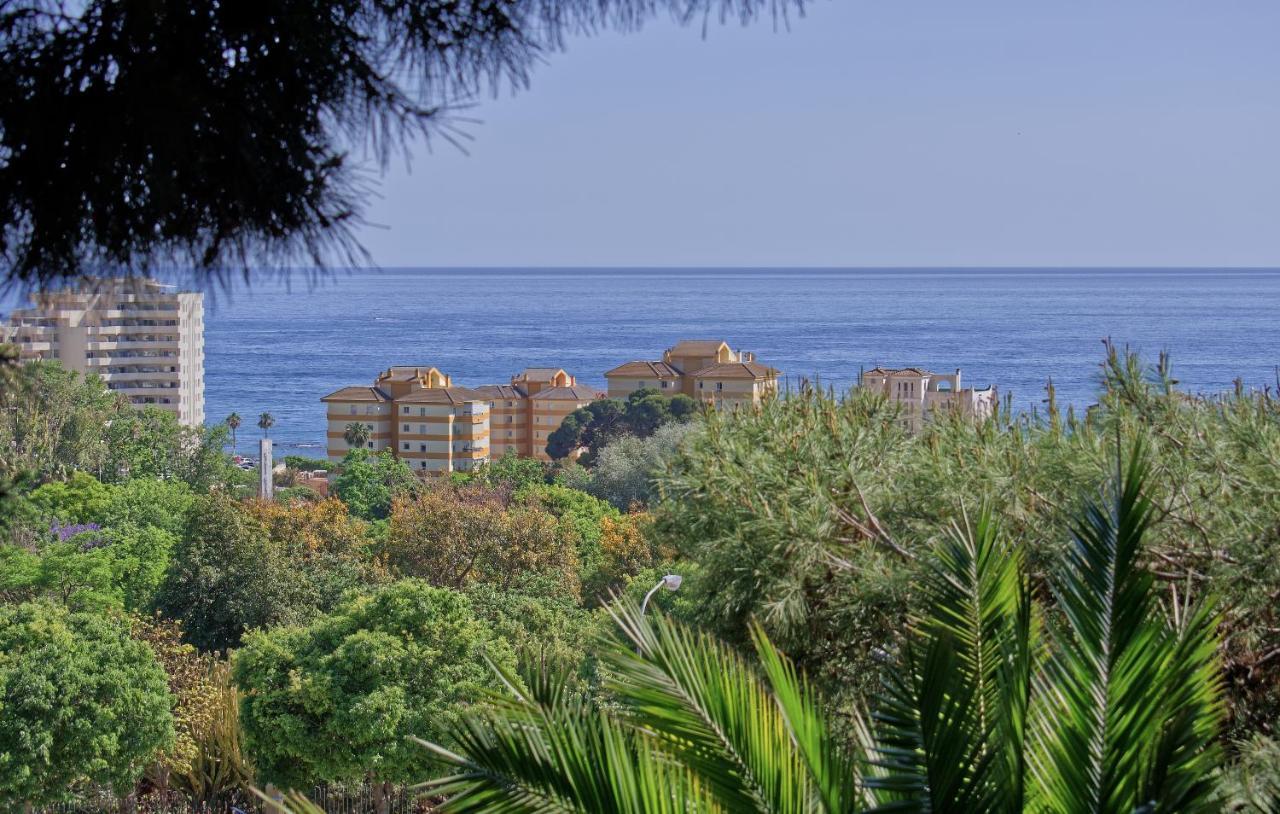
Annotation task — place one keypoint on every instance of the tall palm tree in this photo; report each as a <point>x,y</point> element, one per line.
<point>1117,708</point>
<point>233,421</point>
<point>357,435</point>
<point>266,421</point>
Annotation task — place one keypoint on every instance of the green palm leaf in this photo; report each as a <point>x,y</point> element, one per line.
<point>544,752</point>
<point>715,714</point>
<point>1112,732</point>
<point>952,732</point>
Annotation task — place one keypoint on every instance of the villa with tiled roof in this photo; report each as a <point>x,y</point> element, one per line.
<point>706,369</point>
<point>921,394</point>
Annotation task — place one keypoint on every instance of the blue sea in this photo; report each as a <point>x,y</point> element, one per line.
<point>279,349</point>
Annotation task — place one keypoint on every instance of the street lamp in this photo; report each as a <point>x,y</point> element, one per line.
<point>671,582</point>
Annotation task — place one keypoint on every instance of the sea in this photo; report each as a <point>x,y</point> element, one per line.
<point>279,345</point>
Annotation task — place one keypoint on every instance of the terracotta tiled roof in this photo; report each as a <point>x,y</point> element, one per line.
<point>736,370</point>
<point>539,374</point>
<point>357,394</point>
<point>501,391</point>
<point>660,370</point>
<point>443,395</point>
<point>697,347</point>
<point>573,393</point>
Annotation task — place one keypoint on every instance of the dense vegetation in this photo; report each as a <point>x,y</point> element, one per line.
<point>301,641</point>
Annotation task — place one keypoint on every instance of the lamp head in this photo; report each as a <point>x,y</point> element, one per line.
<point>672,582</point>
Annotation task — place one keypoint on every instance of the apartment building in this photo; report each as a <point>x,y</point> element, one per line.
<point>708,370</point>
<point>922,394</point>
<point>144,339</point>
<point>418,414</point>
<point>524,413</point>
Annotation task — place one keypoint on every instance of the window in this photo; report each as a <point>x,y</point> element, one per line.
<point>353,409</point>
<point>422,428</point>
<point>699,385</point>
<point>423,447</point>
<point>370,445</point>
<point>422,411</point>
<point>406,446</point>
<point>422,464</point>
<point>719,385</point>
<point>370,410</point>
<point>406,427</point>
<point>405,410</point>
<point>665,385</point>
<point>508,419</point>
<point>508,433</point>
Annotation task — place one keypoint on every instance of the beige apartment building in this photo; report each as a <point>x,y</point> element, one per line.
<point>705,369</point>
<point>524,413</point>
<point>921,394</point>
<point>418,414</point>
<point>144,339</point>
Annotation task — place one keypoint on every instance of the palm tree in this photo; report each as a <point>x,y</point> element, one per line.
<point>357,435</point>
<point>266,421</point>
<point>233,421</point>
<point>1117,708</point>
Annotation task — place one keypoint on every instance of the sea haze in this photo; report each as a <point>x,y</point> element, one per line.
<point>277,350</point>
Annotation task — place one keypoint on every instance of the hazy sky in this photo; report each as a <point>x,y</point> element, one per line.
<point>873,132</point>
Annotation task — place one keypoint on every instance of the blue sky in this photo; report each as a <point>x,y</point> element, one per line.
<point>872,133</point>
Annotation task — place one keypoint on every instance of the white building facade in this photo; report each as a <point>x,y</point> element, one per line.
<point>144,339</point>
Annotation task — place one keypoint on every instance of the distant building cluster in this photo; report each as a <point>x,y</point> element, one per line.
<point>921,393</point>
<point>144,339</point>
<point>705,369</point>
<point>437,427</point>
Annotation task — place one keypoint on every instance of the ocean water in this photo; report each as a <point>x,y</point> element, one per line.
<point>279,350</point>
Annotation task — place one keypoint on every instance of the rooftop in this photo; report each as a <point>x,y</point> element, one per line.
<point>737,370</point>
<point>571,393</point>
<point>660,370</point>
<point>357,394</point>
<point>443,395</point>
<point>697,347</point>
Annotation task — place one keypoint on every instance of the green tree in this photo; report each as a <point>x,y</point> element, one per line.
<point>339,699</point>
<point>1116,708</point>
<point>226,576</point>
<point>82,498</point>
<point>369,482</point>
<point>52,419</point>
<point>625,470</point>
<point>356,435</point>
<point>455,536</point>
<point>233,422</point>
<point>82,701</point>
<point>601,422</point>
<point>240,566</point>
<point>265,422</point>
<point>152,443</point>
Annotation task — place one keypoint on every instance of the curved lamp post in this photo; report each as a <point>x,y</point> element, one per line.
<point>671,582</point>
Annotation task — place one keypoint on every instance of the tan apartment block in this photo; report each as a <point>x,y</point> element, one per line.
<point>144,339</point>
<point>419,415</point>
<point>705,369</point>
<point>370,406</point>
<point>922,393</point>
<point>525,412</point>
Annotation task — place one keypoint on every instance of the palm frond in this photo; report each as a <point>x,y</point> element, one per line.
<point>542,751</point>
<point>833,764</point>
<point>713,713</point>
<point>953,731</point>
<point>1112,733</point>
